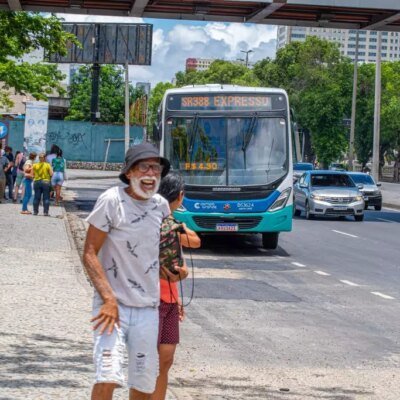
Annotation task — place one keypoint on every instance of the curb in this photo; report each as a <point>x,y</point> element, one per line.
<point>390,205</point>
<point>93,177</point>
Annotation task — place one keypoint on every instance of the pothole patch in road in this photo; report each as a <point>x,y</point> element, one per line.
<point>235,289</point>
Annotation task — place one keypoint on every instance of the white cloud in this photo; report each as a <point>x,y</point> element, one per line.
<point>213,40</point>
<point>171,47</point>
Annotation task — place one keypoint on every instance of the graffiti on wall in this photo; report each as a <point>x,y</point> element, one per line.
<point>72,138</point>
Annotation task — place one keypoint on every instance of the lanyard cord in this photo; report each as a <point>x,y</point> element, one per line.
<point>180,280</point>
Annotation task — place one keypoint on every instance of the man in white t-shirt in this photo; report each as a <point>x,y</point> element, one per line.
<point>121,258</point>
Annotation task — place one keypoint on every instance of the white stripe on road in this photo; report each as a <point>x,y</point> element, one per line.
<point>322,273</point>
<point>384,296</point>
<point>349,283</point>
<point>297,264</point>
<point>344,233</point>
<point>386,220</point>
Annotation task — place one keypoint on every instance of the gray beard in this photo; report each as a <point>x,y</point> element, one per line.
<point>135,187</point>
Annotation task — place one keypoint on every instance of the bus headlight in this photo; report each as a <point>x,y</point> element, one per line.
<point>281,201</point>
<point>181,208</point>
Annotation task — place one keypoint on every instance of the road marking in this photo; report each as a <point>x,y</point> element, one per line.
<point>298,264</point>
<point>344,233</point>
<point>386,220</point>
<point>384,296</point>
<point>322,273</point>
<point>349,283</point>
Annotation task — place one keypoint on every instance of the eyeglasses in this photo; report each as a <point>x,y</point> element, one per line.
<point>144,167</point>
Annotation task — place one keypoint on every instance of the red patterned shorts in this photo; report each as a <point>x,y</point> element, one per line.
<point>169,323</point>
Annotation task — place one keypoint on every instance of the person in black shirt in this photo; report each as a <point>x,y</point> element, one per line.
<point>8,172</point>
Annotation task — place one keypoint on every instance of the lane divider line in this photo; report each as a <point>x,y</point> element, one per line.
<point>384,296</point>
<point>297,264</point>
<point>350,283</point>
<point>386,220</point>
<point>344,233</point>
<point>322,273</point>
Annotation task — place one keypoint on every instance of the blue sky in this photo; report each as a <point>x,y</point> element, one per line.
<point>176,40</point>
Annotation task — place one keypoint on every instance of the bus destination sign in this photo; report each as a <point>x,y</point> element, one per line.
<point>231,102</point>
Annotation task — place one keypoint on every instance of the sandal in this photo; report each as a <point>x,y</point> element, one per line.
<point>26,212</point>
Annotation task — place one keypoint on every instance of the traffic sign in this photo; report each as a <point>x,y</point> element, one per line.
<point>3,130</point>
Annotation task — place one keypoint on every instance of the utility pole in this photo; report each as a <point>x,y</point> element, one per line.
<point>377,109</point>
<point>126,107</point>
<point>353,108</point>
<point>247,56</point>
<point>94,104</point>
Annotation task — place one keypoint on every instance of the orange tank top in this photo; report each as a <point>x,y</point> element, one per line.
<point>168,291</point>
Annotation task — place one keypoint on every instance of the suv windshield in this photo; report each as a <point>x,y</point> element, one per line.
<point>227,150</point>
<point>364,179</point>
<point>338,180</point>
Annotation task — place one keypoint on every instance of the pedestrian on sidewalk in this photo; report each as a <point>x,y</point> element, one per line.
<point>58,164</point>
<point>50,156</point>
<point>42,174</point>
<point>121,258</point>
<point>18,170</point>
<point>27,182</point>
<point>3,167</point>
<point>171,311</point>
<point>8,171</point>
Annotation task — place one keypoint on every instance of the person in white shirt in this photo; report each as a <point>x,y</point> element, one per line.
<point>121,258</point>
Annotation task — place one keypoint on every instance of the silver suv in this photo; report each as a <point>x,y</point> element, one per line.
<point>369,189</point>
<point>328,193</point>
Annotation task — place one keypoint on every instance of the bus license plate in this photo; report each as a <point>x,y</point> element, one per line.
<point>227,227</point>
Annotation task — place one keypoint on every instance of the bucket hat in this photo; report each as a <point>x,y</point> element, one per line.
<point>142,152</point>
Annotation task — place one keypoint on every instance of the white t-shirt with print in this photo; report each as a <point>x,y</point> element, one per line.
<point>129,255</point>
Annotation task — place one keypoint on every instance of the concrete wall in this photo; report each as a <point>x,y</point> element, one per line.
<point>80,141</point>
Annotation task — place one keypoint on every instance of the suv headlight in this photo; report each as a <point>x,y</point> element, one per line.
<point>358,198</point>
<point>281,201</point>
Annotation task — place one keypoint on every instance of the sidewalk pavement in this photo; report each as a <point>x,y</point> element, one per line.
<point>391,195</point>
<point>45,307</point>
<point>45,301</point>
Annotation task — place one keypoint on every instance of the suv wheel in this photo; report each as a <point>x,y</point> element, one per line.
<point>378,208</point>
<point>359,218</point>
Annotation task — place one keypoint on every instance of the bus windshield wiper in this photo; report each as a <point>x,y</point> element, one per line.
<point>192,136</point>
<point>247,137</point>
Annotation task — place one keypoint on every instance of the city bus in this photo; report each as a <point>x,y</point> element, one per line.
<point>233,146</point>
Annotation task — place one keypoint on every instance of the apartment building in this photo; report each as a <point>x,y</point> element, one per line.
<point>346,40</point>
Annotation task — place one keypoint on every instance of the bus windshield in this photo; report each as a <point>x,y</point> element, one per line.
<point>228,150</point>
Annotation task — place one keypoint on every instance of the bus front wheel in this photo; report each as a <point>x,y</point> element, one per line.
<point>270,240</point>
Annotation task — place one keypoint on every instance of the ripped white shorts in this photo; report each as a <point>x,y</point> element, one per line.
<point>137,334</point>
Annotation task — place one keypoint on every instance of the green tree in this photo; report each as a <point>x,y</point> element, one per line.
<point>20,34</point>
<point>111,94</point>
<point>223,72</point>
<point>318,81</point>
<point>390,112</point>
<point>156,97</point>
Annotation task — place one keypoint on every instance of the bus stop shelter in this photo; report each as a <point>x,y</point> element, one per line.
<point>346,14</point>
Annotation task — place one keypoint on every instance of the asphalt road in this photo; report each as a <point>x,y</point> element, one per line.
<point>315,319</point>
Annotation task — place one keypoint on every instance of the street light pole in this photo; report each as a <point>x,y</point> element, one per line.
<point>127,107</point>
<point>353,108</point>
<point>247,56</point>
<point>377,110</point>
